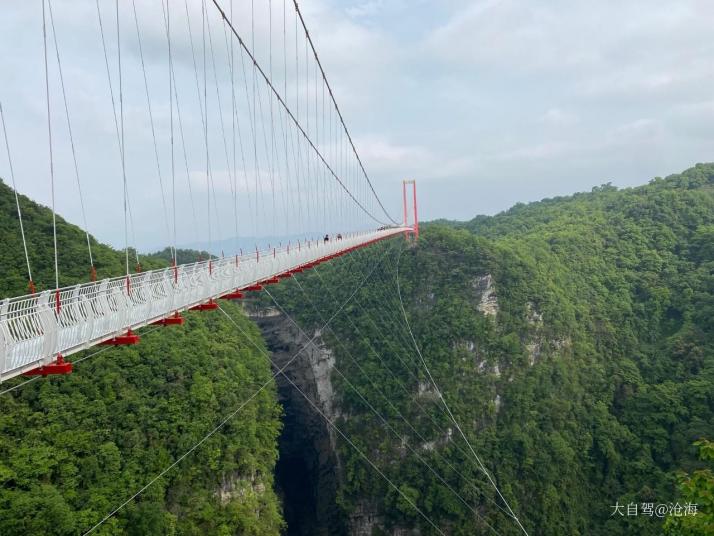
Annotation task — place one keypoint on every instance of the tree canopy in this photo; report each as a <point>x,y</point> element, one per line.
<point>73,448</point>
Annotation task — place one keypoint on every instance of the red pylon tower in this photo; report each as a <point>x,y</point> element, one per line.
<point>415,226</point>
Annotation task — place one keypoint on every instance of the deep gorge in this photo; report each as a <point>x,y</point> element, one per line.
<point>307,472</point>
<point>573,337</point>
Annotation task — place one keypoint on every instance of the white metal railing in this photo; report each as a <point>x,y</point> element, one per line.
<point>33,330</point>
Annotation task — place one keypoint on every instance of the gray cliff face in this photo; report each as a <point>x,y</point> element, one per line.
<point>307,473</point>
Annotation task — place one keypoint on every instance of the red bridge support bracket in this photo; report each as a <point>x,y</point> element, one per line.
<point>210,305</point>
<point>127,339</point>
<point>236,295</point>
<point>174,320</point>
<point>270,281</point>
<point>58,367</point>
<point>254,288</point>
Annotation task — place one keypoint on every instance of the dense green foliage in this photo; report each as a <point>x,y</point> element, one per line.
<point>586,388</point>
<point>697,488</point>
<point>74,448</point>
<point>183,256</point>
<point>572,338</point>
<point>73,254</point>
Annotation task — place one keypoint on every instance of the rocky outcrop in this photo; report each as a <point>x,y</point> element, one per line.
<point>308,471</point>
<point>537,343</point>
<point>366,520</point>
<point>235,485</point>
<point>486,294</point>
<point>425,389</point>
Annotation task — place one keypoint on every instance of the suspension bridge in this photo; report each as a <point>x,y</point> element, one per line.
<point>38,331</point>
<point>301,156</point>
<point>250,131</point>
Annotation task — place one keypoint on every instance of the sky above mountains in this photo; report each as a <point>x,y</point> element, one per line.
<point>484,103</point>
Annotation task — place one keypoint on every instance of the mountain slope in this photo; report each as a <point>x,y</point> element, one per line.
<point>73,448</point>
<point>573,339</point>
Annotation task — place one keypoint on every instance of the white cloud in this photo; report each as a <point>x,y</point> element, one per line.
<point>383,153</point>
<point>543,151</point>
<point>366,9</point>
<point>640,130</point>
<point>485,94</point>
<point>559,117</point>
<point>405,161</point>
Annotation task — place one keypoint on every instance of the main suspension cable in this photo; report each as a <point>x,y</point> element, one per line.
<point>282,102</point>
<point>339,113</point>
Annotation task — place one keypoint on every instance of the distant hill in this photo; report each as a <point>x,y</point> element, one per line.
<point>183,256</point>
<point>74,266</point>
<point>573,339</point>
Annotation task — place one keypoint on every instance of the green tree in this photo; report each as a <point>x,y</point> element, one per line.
<point>696,488</point>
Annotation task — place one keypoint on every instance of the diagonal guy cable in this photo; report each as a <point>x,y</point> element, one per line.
<point>234,412</point>
<point>448,409</point>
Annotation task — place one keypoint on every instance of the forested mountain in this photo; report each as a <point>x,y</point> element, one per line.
<point>572,338</point>
<point>574,341</point>
<point>73,448</point>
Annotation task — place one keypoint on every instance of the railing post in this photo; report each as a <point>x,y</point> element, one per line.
<point>48,320</point>
<point>3,338</point>
<point>90,318</point>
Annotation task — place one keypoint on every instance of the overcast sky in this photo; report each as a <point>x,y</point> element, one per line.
<point>483,103</point>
